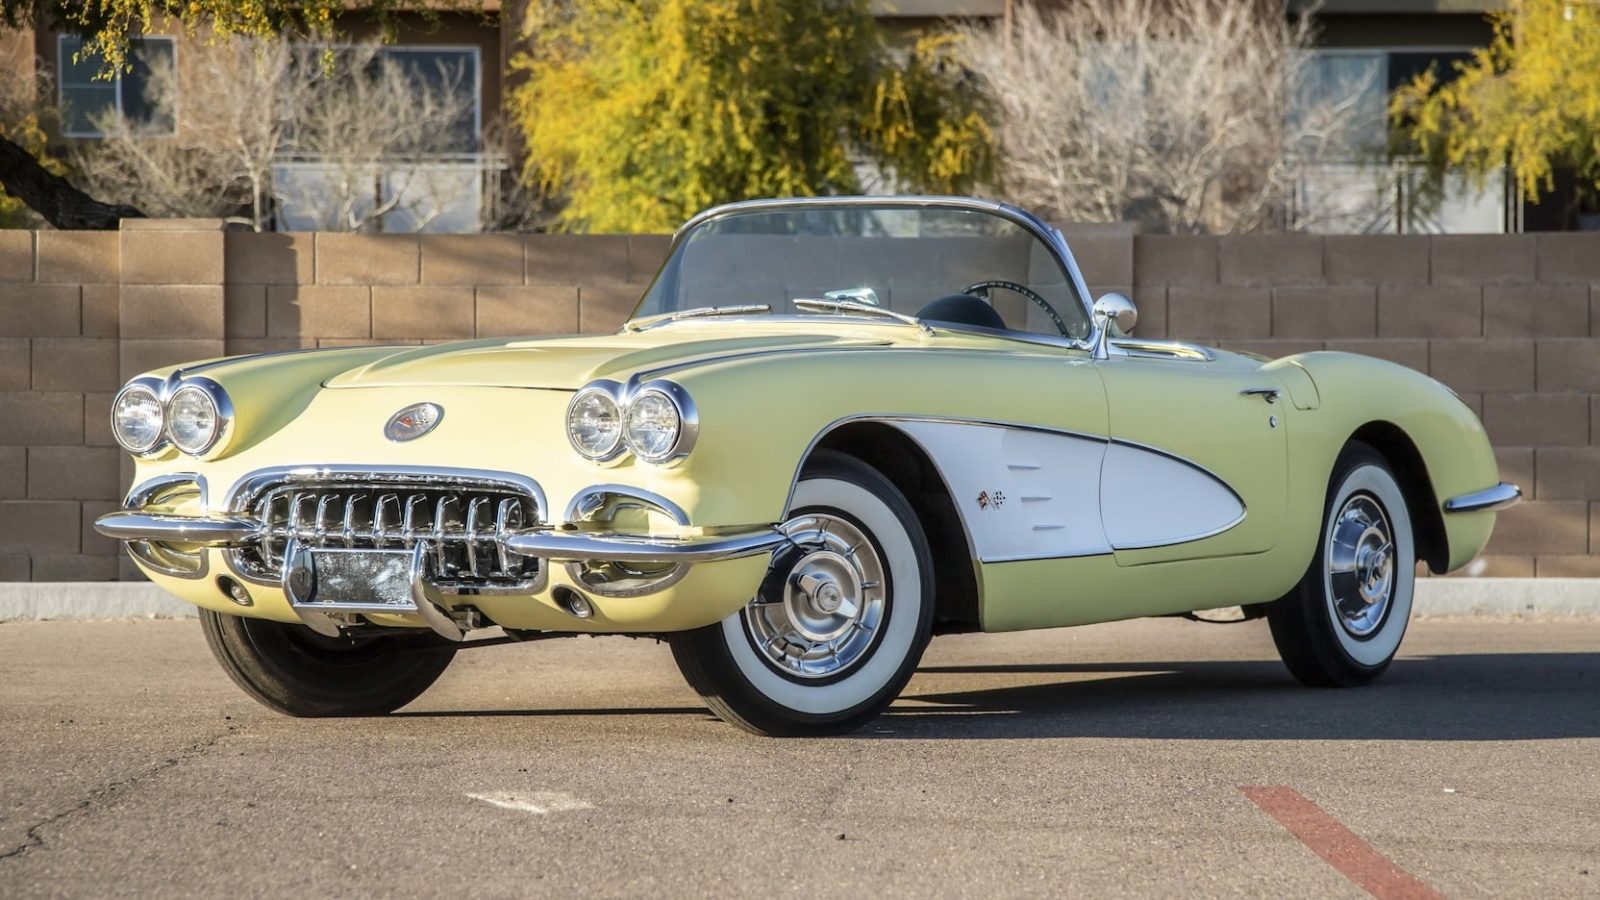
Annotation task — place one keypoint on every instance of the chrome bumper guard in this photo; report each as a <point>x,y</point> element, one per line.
<point>1500,496</point>
<point>542,542</point>
<point>424,598</point>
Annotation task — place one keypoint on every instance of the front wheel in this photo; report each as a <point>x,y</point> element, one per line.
<point>1342,624</point>
<point>841,619</point>
<point>296,671</point>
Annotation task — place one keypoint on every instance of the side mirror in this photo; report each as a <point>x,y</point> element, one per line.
<point>1112,310</point>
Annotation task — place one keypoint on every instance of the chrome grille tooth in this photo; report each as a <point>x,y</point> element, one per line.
<point>408,528</point>
<point>325,503</point>
<point>502,526</point>
<point>349,529</point>
<point>471,529</point>
<point>380,527</point>
<point>438,529</point>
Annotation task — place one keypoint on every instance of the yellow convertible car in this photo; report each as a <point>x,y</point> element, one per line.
<point>832,429</point>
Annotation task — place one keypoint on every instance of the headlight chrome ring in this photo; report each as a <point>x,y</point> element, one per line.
<point>202,405</point>
<point>588,429</point>
<point>666,407</point>
<point>140,399</point>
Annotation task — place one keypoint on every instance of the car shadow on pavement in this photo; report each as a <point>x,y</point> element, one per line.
<point>1469,697</point>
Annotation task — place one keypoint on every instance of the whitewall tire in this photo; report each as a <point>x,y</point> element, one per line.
<point>840,622</point>
<point>1343,623</point>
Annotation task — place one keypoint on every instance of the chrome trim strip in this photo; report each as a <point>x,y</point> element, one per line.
<point>1051,237</point>
<point>140,495</point>
<point>589,503</point>
<point>579,545</point>
<point>244,491</point>
<point>212,531</point>
<point>1500,496</point>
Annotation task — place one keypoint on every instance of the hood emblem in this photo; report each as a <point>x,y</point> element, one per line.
<point>413,422</point>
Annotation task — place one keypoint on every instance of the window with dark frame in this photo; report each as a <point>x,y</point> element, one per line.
<point>86,97</point>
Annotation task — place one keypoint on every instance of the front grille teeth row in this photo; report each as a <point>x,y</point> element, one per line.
<point>464,529</point>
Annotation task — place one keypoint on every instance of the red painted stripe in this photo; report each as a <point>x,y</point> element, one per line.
<point>1338,846</point>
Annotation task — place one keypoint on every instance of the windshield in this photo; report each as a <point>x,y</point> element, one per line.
<point>898,258</point>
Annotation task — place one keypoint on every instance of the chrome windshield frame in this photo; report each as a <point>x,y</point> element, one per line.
<point>1051,237</point>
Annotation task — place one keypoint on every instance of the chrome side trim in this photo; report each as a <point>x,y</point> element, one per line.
<point>578,545</point>
<point>1500,496</point>
<point>1151,348</point>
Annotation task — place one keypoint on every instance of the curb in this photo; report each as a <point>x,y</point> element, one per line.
<point>33,601</point>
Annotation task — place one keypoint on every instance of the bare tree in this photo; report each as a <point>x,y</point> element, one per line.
<point>1183,115</point>
<point>342,140</point>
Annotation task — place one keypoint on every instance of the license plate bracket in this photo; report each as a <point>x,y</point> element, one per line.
<point>352,580</point>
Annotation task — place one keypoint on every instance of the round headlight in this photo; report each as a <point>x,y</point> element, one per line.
<point>193,420</point>
<point>594,424</point>
<point>137,418</point>
<point>653,425</point>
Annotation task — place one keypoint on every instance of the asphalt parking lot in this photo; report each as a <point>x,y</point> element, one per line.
<point>1143,758</point>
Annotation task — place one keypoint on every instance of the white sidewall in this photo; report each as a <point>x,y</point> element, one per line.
<point>897,640</point>
<point>1383,643</point>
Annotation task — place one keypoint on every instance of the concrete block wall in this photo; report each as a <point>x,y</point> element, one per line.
<point>1510,322</point>
<point>80,312</point>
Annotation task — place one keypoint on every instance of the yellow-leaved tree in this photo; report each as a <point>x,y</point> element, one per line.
<point>638,113</point>
<point>1530,100</point>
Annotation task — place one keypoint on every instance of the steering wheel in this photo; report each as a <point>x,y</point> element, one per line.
<point>982,288</point>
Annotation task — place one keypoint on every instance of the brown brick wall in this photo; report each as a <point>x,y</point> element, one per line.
<point>1511,322</point>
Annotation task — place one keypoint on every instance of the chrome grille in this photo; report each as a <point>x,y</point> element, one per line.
<point>459,524</point>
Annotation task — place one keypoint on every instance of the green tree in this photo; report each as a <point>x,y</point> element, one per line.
<point>1530,100</point>
<point>638,113</point>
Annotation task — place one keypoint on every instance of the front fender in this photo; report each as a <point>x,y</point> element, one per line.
<point>1358,392</point>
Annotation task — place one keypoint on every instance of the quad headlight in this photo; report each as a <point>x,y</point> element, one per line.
<point>594,423</point>
<point>150,414</point>
<point>138,420</point>
<point>194,419</point>
<point>655,421</point>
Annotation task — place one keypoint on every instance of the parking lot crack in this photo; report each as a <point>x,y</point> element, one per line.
<point>98,797</point>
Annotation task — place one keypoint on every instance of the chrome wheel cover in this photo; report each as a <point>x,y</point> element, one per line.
<point>833,601</point>
<point>1361,565</point>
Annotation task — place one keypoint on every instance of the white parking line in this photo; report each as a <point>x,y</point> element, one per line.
<point>539,803</point>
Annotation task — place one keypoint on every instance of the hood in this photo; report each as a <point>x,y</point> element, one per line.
<point>566,363</point>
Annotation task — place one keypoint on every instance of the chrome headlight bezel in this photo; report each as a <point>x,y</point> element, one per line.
<point>688,421</point>
<point>164,391</point>
<point>154,389</point>
<point>222,408</point>
<point>611,393</point>
<point>623,397</point>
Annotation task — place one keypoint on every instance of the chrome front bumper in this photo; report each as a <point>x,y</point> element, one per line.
<point>1500,496</point>
<point>542,542</point>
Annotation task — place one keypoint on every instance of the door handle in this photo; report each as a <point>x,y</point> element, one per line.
<point>1269,394</point>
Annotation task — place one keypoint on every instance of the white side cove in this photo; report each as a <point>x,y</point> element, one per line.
<point>1023,494</point>
<point>1030,494</point>
<point>1149,499</point>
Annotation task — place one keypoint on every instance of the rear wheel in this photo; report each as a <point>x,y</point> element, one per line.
<point>841,619</point>
<point>1342,624</point>
<point>296,671</point>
